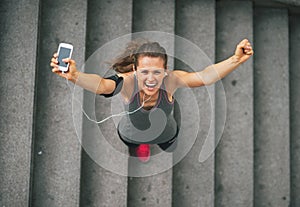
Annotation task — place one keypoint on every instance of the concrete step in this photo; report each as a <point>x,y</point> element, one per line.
<point>18,46</point>
<point>271,103</point>
<point>101,184</point>
<point>195,21</point>
<point>234,155</point>
<point>257,159</point>
<point>155,189</point>
<point>57,152</point>
<point>294,63</point>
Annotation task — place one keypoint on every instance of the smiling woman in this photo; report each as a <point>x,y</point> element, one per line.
<point>147,86</point>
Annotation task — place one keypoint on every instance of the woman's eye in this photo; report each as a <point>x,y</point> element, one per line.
<point>144,72</point>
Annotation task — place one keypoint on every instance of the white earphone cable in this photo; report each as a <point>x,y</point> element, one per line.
<point>113,115</point>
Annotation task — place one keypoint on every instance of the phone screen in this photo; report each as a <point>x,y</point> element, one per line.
<point>63,53</point>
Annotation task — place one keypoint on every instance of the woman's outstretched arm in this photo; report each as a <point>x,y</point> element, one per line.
<point>217,71</point>
<point>91,82</point>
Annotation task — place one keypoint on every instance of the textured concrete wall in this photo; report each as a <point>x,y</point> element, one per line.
<point>271,93</point>
<point>99,186</point>
<point>193,182</point>
<point>57,152</point>
<point>294,110</point>
<point>234,155</point>
<point>18,45</point>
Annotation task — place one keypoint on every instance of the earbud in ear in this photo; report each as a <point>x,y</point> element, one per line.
<point>134,72</point>
<point>166,73</point>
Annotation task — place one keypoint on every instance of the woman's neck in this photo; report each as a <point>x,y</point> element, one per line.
<point>147,100</point>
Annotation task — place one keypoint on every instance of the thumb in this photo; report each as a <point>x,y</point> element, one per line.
<point>69,60</point>
<point>72,63</point>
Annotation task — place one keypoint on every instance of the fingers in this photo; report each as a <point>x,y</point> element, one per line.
<point>55,67</point>
<point>54,61</point>
<point>248,50</point>
<point>60,73</point>
<point>55,70</point>
<point>244,44</point>
<point>246,47</point>
<point>244,50</point>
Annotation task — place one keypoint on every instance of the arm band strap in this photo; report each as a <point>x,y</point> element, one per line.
<point>119,83</point>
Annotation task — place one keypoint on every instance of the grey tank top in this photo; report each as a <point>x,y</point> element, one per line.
<point>153,126</point>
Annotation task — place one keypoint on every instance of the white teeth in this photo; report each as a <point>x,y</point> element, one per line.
<point>150,84</point>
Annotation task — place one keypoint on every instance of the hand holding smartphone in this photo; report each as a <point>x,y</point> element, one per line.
<point>65,50</point>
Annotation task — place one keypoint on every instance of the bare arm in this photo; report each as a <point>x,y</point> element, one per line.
<point>91,82</point>
<point>217,71</point>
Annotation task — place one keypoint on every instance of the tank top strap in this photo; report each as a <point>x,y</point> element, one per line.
<point>165,93</point>
<point>163,88</point>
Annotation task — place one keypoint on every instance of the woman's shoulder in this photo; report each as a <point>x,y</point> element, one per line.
<point>171,77</point>
<point>125,75</point>
<point>170,82</point>
<point>128,85</point>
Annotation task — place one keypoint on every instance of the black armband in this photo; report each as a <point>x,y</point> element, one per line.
<point>119,83</point>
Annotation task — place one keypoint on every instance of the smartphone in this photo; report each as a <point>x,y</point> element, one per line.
<point>65,50</point>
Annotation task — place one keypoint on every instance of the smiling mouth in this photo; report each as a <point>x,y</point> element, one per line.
<point>151,86</point>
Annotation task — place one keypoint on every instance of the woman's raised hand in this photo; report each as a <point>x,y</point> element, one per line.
<point>71,74</point>
<point>243,51</point>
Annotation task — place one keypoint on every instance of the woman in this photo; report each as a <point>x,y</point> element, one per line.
<point>147,87</point>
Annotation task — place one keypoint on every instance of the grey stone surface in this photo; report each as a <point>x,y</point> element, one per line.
<point>294,110</point>
<point>277,3</point>
<point>57,151</point>
<point>153,190</point>
<point>234,154</point>
<point>40,156</point>
<point>156,15</point>
<point>18,43</point>
<point>193,181</point>
<point>101,186</point>
<point>288,2</point>
<point>271,104</point>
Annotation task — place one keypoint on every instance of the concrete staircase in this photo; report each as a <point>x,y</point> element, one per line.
<point>257,159</point>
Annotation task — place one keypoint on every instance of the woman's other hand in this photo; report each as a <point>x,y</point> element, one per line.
<point>243,51</point>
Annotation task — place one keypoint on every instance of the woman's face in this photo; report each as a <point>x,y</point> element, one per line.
<point>150,73</point>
